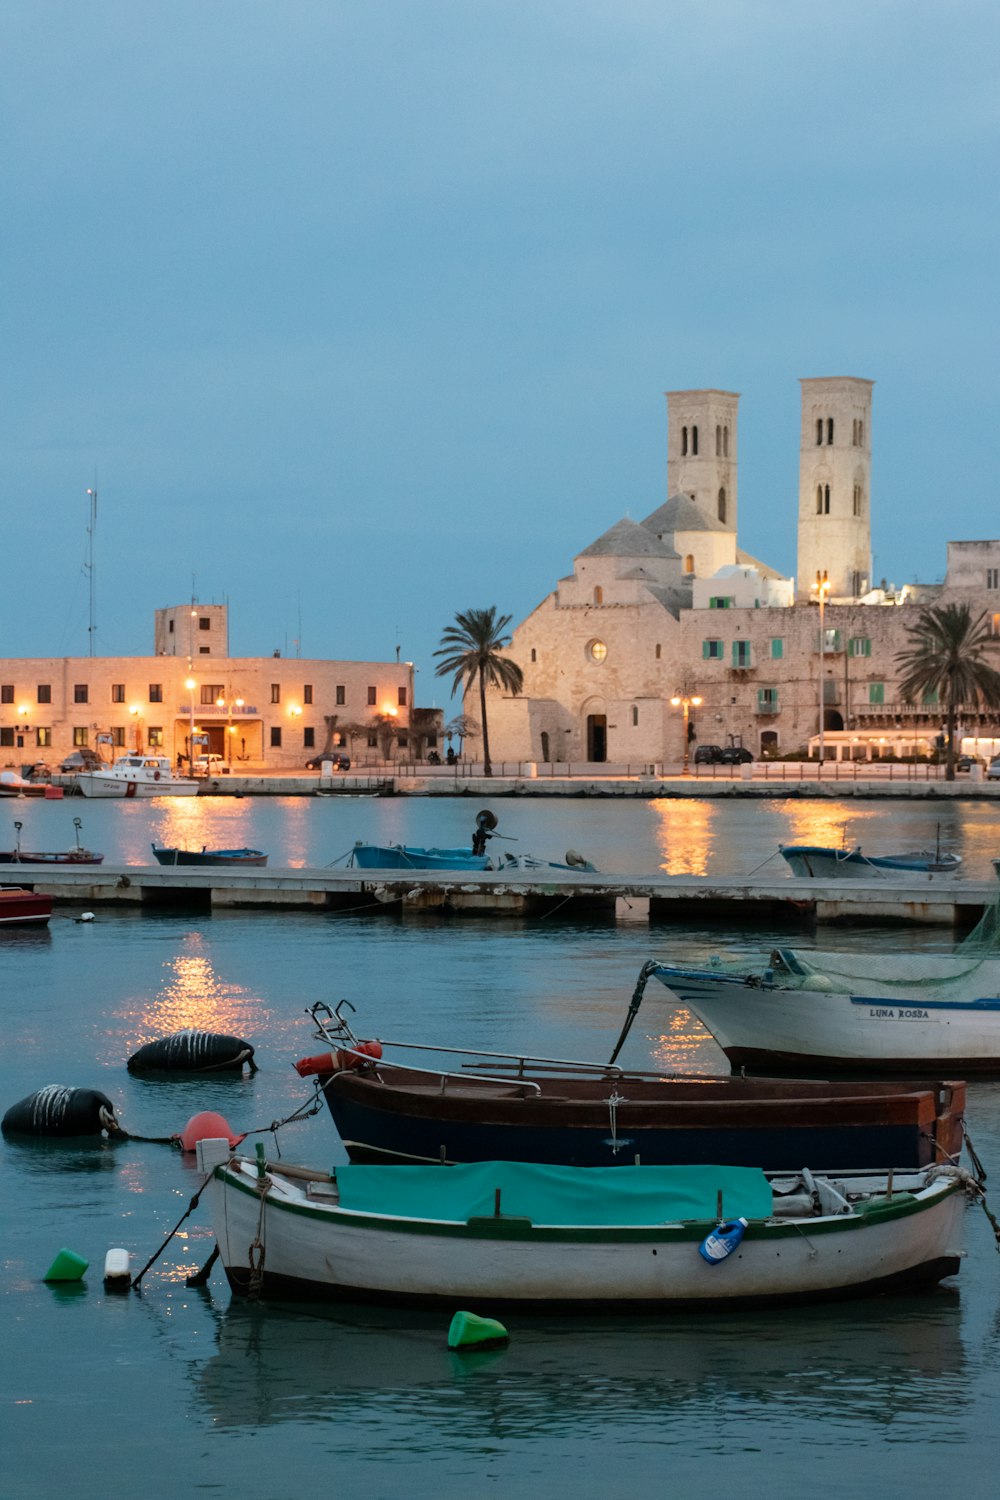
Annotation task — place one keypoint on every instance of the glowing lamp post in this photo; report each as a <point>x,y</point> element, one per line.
<point>679,701</point>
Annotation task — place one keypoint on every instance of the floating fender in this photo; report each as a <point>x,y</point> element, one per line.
<point>208,1126</point>
<point>338,1062</point>
<point>193,1052</point>
<point>59,1111</point>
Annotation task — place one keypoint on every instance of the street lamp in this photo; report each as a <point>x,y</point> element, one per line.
<point>821,588</point>
<point>679,701</point>
<point>190,684</point>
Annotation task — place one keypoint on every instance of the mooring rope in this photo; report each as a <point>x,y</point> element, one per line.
<point>190,1209</point>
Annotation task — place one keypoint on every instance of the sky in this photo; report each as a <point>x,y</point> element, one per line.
<point>358,313</point>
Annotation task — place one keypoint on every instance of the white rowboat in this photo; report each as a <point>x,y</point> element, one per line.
<point>494,1234</point>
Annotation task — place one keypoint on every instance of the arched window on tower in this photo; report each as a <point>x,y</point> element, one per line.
<point>819,499</point>
<point>829,429</point>
<point>684,442</point>
<point>819,431</point>
<point>694,441</point>
<point>826,499</point>
<point>689,563</point>
<point>725,442</point>
<point>857,499</point>
<point>718,441</point>
<point>861,434</point>
<point>722,505</point>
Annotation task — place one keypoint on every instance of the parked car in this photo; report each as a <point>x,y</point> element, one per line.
<point>203,764</point>
<point>338,761</point>
<point>708,755</point>
<point>966,762</point>
<point>80,760</point>
<point>736,755</point>
<point>993,770</point>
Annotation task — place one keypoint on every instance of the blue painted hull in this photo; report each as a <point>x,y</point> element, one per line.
<point>832,1133</point>
<point>815,862</point>
<point>404,857</point>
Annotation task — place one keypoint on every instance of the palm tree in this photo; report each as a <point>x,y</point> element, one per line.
<point>471,650</point>
<point>946,658</point>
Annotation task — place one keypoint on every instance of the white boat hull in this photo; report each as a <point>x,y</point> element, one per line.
<point>868,1028</point>
<point>114,783</point>
<point>315,1251</point>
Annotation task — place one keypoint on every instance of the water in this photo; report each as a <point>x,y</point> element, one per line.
<point>697,836</point>
<point>180,1391</point>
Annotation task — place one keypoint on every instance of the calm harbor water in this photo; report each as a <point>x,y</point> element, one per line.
<point>180,1391</point>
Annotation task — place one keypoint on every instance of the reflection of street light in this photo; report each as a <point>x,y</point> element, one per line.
<point>678,701</point>
<point>821,588</point>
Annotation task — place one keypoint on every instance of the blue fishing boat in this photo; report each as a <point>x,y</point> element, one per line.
<point>410,857</point>
<point>817,863</point>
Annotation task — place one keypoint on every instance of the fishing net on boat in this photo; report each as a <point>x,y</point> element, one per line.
<point>984,939</point>
<point>882,975</point>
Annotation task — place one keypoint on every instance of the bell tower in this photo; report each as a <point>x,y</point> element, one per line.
<point>701,451</point>
<point>835,461</point>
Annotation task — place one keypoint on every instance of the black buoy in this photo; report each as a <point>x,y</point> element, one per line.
<point>59,1111</point>
<point>193,1052</point>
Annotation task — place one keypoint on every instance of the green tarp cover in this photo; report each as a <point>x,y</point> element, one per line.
<point>556,1195</point>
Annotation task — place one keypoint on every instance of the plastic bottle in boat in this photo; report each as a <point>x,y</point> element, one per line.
<point>722,1241</point>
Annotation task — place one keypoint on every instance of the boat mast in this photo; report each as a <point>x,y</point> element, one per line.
<point>92,527</point>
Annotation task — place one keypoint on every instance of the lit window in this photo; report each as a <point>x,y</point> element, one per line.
<point>597,650</point>
<point>598,595</point>
<point>689,563</point>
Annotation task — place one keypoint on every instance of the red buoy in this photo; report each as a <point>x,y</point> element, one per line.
<point>208,1126</point>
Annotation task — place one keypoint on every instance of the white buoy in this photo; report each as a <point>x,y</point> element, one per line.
<point>85,916</point>
<point>117,1271</point>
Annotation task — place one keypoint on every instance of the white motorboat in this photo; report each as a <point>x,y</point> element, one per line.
<point>137,776</point>
<point>545,1238</point>
<point>885,1013</point>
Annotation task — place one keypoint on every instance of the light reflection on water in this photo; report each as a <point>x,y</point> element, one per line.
<point>374,1400</point>
<point>715,836</point>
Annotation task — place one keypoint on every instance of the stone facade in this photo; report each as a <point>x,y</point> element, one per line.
<point>257,712</point>
<point>672,607</point>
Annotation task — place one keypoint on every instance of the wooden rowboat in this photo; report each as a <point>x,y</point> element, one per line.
<point>557,1239</point>
<point>491,1106</point>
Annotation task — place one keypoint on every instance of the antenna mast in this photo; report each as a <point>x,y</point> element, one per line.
<point>92,527</point>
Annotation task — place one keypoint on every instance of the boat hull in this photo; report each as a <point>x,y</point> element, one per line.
<point>70,857</point>
<point>810,862</point>
<point>385,1115</point>
<point>316,1252</point>
<point>761,1026</point>
<point>401,857</point>
<point>24,908</point>
<point>99,784</point>
<point>203,857</point>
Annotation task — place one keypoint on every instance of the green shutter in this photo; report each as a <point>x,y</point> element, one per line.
<point>777,648</point>
<point>876,692</point>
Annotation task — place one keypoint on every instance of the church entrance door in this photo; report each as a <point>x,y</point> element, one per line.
<point>597,736</point>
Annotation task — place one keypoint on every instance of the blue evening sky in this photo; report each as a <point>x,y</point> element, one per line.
<point>361,311</point>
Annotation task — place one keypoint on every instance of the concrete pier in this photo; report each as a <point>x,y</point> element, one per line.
<point>656,898</point>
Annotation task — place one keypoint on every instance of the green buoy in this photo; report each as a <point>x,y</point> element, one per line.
<point>469,1331</point>
<point>67,1266</point>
